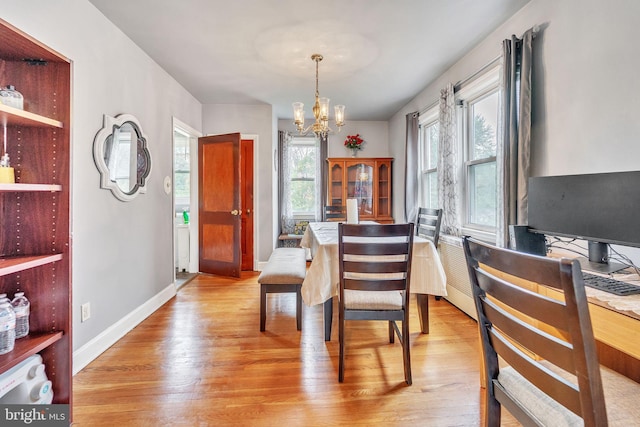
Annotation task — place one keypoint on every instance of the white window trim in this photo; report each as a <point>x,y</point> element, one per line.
<point>485,83</point>
<point>425,119</point>
<point>308,142</point>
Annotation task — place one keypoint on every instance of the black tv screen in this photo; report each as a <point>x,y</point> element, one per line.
<point>601,207</point>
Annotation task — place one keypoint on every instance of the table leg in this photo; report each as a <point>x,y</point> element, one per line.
<point>423,312</point>
<point>328,317</point>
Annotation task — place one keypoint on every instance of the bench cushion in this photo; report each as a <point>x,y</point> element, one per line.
<point>285,266</point>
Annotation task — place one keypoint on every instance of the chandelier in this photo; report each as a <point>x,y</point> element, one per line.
<point>320,111</point>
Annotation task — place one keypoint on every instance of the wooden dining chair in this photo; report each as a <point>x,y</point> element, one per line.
<point>335,213</point>
<point>550,374</point>
<point>374,268</point>
<point>428,224</point>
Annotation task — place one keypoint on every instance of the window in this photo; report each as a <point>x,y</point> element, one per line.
<point>304,164</point>
<point>428,163</point>
<point>182,170</point>
<point>480,103</point>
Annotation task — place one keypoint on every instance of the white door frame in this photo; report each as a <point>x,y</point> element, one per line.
<point>193,204</point>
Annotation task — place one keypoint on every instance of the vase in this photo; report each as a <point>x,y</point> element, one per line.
<point>354,152</point>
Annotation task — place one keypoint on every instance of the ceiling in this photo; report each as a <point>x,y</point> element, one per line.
<point>377,54</point>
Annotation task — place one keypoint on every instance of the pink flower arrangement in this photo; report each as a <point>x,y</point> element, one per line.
<point>354,142</point>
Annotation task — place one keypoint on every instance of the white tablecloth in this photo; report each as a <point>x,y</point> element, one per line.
<point>322,280</point>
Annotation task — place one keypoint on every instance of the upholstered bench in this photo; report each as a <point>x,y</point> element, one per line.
<point>284,272</point>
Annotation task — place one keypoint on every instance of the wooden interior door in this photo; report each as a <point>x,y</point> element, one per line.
<point>220,204</point>
<point>246,195</point>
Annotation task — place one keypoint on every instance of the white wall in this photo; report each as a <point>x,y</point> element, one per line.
<point>122,251</point>
<point>251,120</point>
<point>585,86</point>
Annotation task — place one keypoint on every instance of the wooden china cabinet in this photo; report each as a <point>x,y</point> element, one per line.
<point>366,179</point>
<point>35,229</point>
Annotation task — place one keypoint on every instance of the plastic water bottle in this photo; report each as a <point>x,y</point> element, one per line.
<point>7,325</point>
<point>21,305</point>
<point>11,97</point>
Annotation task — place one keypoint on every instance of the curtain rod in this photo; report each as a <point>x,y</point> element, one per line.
<point>535,30</point>
<point>456,87</point>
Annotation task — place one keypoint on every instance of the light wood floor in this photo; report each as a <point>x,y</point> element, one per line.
<point>201,360</point>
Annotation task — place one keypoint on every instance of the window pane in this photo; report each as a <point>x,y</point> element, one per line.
<point>303,198</point>
<point>302,161</point>
<point>182,166</point>
<point>433,131</point>
<point>429,146</point>
<point>429,196</point>
<point>433,190</point>
<point>424,147</point>
<point>429,164</point>
<point>484,114</point>
<point>181,185</point>
<point>483,194</point>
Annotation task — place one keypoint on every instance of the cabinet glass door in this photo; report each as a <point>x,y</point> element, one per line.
<point>335,185</point>
<point>360,187</point>
<point>384,189</point>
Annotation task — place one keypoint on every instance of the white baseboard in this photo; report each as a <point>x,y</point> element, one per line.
<point>94,348</point>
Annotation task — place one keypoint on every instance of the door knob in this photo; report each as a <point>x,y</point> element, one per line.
<point>234,212</point>
<point>248,211</point>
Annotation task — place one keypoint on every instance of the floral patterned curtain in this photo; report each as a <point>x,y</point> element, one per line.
<point>448,196</point>
<point>287,223</point>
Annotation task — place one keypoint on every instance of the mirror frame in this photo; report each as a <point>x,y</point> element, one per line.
<point>110,124</point>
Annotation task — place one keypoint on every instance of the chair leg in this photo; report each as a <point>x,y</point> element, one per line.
<point>298,307</point>
<point>263,307</point>
<point>392,332</point>
<point>406,349</point>
<point>492,409</point>
<point>341,340</point>
<point>423,312</point>
<point>328,318</point>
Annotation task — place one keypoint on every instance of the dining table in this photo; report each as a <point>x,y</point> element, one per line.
<point>321,284</point>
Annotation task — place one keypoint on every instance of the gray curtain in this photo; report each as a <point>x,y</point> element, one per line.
<point>411,169</point>
<point>514,146</point>
<point>323,176</point>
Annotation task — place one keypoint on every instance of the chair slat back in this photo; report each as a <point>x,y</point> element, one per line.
<point>375,271</point>
<point>538,336</point>
<point>335,213</point>
<point>428,224</point>
<point>375,257</point>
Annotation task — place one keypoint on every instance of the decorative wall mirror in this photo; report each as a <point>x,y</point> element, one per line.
<point>121,155</point>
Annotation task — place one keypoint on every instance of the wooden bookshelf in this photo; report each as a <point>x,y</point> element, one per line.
<point>35,237</point>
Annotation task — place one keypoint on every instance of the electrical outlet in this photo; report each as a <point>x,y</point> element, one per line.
<point>86,312</point>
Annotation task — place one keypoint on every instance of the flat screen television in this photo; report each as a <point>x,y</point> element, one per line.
<point>602,208</point>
